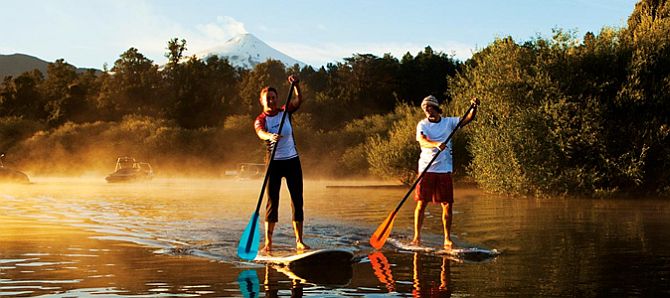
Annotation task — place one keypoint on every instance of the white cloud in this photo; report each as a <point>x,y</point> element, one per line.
<point>6,51</point>
<point>224,29</point>
<point>137,24</point>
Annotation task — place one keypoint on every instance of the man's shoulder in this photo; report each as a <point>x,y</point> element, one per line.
<point>451,120</point>
<point>424,121</point>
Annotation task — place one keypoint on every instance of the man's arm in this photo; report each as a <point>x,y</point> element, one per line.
<point>295,102</point>
<point>473,112</point>
<point>259,126</point>
<point>425,142</point>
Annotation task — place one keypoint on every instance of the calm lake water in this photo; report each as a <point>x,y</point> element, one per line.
<point>175,237</point>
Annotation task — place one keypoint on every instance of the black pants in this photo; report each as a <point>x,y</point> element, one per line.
<point>292,171</point>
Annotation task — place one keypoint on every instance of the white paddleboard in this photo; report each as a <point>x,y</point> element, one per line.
<point>322,266</point>
<point>460,252</point>
<point>319,257</point>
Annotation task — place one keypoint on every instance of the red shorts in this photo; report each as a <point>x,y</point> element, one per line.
<point>436,188</point>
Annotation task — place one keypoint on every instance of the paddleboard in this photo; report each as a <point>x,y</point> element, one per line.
<point>319,257</point>
<point>322,266</point>
<point>465,253</point>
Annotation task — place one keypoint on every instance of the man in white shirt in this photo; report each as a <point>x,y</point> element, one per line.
<point>436,185</point>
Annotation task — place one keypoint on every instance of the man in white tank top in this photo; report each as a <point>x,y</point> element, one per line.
<point>436,186</point>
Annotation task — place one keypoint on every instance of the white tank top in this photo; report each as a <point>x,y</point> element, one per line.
<point>286,145</point>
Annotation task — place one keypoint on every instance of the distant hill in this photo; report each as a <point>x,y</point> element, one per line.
<point>16,64</point>
<point>246,50</point>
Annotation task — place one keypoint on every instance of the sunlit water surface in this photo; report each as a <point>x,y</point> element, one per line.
<point>175,237</point>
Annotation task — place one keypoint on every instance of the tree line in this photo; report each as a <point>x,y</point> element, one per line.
<point>161,112</point>
<point>559,115</point>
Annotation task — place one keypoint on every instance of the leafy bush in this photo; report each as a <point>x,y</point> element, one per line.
<point>395,156</point>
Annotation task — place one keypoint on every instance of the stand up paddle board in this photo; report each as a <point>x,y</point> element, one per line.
<point>322,266</point>
<point>463,253</point>
<point>317,257</point>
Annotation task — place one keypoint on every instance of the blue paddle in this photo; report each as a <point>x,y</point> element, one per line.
<point>251,237</point>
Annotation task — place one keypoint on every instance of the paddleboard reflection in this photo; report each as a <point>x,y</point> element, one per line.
<point>337,275</point>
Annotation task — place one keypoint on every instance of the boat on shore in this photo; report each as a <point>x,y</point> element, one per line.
<point>9,175</point>
<point>129,170</point>
<point>247,171</point>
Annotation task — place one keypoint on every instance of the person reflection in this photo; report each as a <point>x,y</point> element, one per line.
<point>423,281</point>
<point>424,285</point>
<point>271,283</point>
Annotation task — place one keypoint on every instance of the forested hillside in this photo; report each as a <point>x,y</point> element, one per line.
<point>568,114</point>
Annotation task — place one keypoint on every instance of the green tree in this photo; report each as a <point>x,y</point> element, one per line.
<point>269,73</point>
<point>204,93</point>
<point>425,74</point>
<point>644,101</point>
<point>176,49</point>
<point>133,87</point>
<point>61,104</point>
<point>395,156</point>
<point>21,96</point>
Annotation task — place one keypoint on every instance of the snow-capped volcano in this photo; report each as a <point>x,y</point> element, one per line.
<point>245,50</point>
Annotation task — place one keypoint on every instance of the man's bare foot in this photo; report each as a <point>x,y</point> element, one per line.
<point>448,244</point>
<point>301,246</point>
<point>415,242</point>
<point>267,249</point>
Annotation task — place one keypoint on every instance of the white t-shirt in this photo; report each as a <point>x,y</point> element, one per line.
<point>286,145</point>
<point>437,132</point>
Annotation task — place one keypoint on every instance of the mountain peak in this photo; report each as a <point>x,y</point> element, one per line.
<point>246,50</point>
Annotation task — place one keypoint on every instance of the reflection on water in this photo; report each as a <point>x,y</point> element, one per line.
<point>249,284</point>
<point>173,237</point>
<point>382,270</point>
<point>426,280</point>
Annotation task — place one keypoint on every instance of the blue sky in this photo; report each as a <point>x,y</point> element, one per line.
<point>90,33</point>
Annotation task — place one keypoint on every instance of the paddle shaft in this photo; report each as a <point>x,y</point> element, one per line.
<point>267,170</point>
<point>416,181</point>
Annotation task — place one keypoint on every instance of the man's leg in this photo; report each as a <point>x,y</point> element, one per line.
<point>299,243</point>
<point>446,222</point>
<point>269,229</point>
<point>419,214</point>
<point>295,187</point>
<point>272,206</point>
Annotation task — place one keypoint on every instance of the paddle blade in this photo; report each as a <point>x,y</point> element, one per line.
<point>383,231</point>
<point>251,238</point>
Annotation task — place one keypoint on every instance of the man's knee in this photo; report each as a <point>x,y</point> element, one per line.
<point>446,208</point>
<point>421,205</point>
